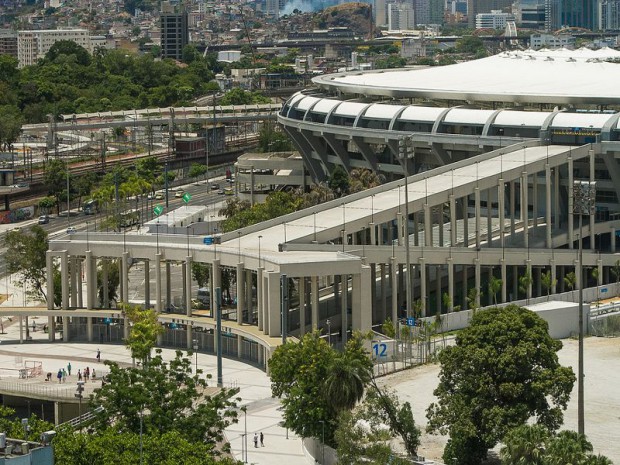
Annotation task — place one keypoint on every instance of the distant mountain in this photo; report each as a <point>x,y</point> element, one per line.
<point>356,16</point>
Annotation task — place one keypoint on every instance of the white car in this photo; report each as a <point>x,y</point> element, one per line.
<point>71,230</point>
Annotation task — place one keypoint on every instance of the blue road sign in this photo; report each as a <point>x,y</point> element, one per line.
<point>411,321</point>
<point>207,240</point>
<point>604,290</point>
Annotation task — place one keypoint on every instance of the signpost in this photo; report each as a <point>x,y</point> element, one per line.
<point>158,210</point>
<point>186,197</point>
<point>410,321</point>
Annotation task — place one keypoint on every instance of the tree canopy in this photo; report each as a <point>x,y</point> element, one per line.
<point>502,371</point>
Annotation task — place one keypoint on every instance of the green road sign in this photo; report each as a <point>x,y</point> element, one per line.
<point>158,210</point>
<point>186,197</point>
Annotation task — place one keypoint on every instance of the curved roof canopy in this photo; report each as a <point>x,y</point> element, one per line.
<point>564,77</point>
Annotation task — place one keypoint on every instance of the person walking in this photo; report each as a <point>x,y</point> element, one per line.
<point>98,356</point>
<point>69,368</point>
<point>86,374</point>
<point>262,439</point>
<point>93,375</point>
<point>255,439</point>
<point>79,375</point>
<point>64,375</point>
<point>59,376</point>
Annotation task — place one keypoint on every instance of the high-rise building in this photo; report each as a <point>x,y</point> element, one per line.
<point>33,45</point>
<point>422,11</point>
<point>531,14</point>
<point>174,31</point>
<point>381,12</point>
<point>436,10</point>
<point>493,20</point>
<point>610,15</point>
<point>401,17</point>
<point>568,13</point>
<point>8,42</point>
<point>474,7</point>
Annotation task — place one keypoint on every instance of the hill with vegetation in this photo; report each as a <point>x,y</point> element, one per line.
<point>356,16</point>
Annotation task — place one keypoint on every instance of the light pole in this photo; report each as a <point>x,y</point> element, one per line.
<point>78,394</point>
<point>195,347</point>
<point>141,454</point>
<point>322,441</point>
<point>68,200</point>
<point>584,197</point>
<point>405,153</point>
<point>244,409</point>
<point>87,243</point>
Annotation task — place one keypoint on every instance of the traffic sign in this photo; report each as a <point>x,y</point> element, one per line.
<point>207,240</point>
<point>410,321</point>
<point>603,290</point>
<point>158,210</point>
<point>186,197</point>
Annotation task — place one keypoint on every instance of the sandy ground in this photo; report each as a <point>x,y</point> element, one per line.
<point>602,403</point>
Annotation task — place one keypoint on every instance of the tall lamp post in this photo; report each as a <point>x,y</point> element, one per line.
<point>584,197</point>
<point>195,347</point>
<point>405,153</point>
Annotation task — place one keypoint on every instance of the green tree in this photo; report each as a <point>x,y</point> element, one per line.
<point>615,270</point>
<point>114,281</point>
<point>68,48</point>
<point>547,282</point>
<point>164,397</point>
<point>525,283</point>
<point>502,370</point>
<point>11,121</point>
<point>46,204</point>
<point>26,255</point>
<point>570,280</point>
<point>495,285</point>
<point>389,328</point>
<point>339,181</point>
<point>525,445</point>
<point>12,425</point>
<point>298,376</point>
<point>196,170</point>
<point>143,332</point>
<point>200,273</point>
<point>55,179</point>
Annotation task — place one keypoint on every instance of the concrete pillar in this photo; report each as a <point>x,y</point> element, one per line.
<point>450,265</point>
<point>548,206</point>
<point>439,299</point>
<point>314,291</point>
<point>104,272</point>
<point>80,298</point>
<point>265,304</point>
<point>501,210</point>
<point>613,240</point>
<point>394,284</point>
<point>302,306</point>
<point>464,206</point>
<point>380,238</point>
<point>556,196</point>
<point>91,281</point>
<point>188,285</point>
<point>373,289</point>
<point>361,306</point>
<point>423,292</point>
<point>525,209</point>
<point>428,227</point>
<point>147,283</point>
<point>64,279</point>
<point>125,277</point>
<point>21,329</point>
<point>452,220</point>
<point>49,259</point>
<point>344,318</point>
<point>259,298</point>
<point>65,329</point>
<point>383,284</point>
<point>477,214</point>
<point>538,280</point>
<point>535,201</point>
<point>504,280</point>
<point>401,228</point>
<point>489,219</point>
<point>373,233</point>
<point>571,235</point>
<point>158,306</point>
<point>592,217</point>
<point>274,310</point>
<point>168,285</point>
<point>599,267</point>
<point>216,279</point>
<point>240,292</point>
<point>512,211</point>
<point>189,337</point>
<point>554,277</point>
<point>529,273</point>
<point>74,289</point>
<point>477,280</point>
<point>89,329</point>
<point>248,297</point>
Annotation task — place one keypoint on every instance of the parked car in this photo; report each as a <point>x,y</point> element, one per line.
<point>159,196</point>
<point>178,194</point>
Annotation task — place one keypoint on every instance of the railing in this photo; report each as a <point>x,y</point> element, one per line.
<point>84,418</point>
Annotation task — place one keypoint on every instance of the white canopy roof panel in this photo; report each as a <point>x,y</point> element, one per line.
<point>325,106</point>
<point>517,118</point>
<point>351,109</point>
<point>468,116</point>
<point>382,111</point>
<point>307,102</point>
<point>579,120</point>
<point>426,114</point>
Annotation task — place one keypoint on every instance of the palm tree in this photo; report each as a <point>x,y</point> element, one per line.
<point>495,285</point>
<point>570,280</point>
<point>615,270</point>
<point>525,445</point>
<point>568,447</point>
<point>547,282</point>
<point>346,380</point>
<point>525,282</point>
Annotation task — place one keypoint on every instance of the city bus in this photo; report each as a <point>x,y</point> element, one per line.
<point>91,207</point>
<point>129,218</point>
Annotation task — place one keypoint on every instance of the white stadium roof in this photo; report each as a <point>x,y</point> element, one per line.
<point>544,76</point>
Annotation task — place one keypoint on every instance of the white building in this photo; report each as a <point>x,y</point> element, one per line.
<point>538,41</point>
<point>33,45</point>
<point>496,19</point>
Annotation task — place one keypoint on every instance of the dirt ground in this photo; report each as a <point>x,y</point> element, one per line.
<point>602,402</point>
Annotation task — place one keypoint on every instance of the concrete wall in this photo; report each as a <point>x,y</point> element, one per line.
<point>562,317</point>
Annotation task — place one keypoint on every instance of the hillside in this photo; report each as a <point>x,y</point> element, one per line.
<point>355,16</point>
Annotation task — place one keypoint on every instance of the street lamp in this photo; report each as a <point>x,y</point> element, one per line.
<point>584,197</point>
<point>323,440</point>
<point>78,393</point>
<point>244,409</point>
<point>405,153</point>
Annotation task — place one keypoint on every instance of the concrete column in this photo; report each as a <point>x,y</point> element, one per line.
<point>21,329</point>
<point>248,297</point>
<point>314,291</point>
<point>373,288</point>
<point>158,306</point>
<point>265,304</point>
<point>373,233</point>
<point>599,267</point>
<point>216,278</point>
<point>504,280</point>
<point>529,272</point>
<point>428,226</point>
<point>121,281</point>
<point>74,289</point>
<point>147,283</point>
<point>344,318</point>
<point>489,219</point>
<point>423,292</point>
<point>168,285</point>
<point>578,276</point>
<point>80,299</point>
<point>538,280</point>
<point>452,220</point>
<point>189,336</point>
<point>302,306</point>
<point>535,201</point>
<point>477,280</point>
<point>64,279</point>
<point>512,211</point>
<point>274,310</point>
<point>383,283</point>
<point>49,260</point>
<point>188,285</point>
<point>556,195</point>
<point>240,292</point>
<point>361,305</point>
<point>104,272</point>
<point>125,277</point>
<point>90,281</point>
<point>524,209</point>
<point>401,228</point>
<point>477,214</point>
<point>571,235</point>
<point>259,298</point>
<point>394,284</point>
<point>416,230</point>
<point>65,329</point>
<point>548,205</point>
<point>380,238</point>
<point>501,210</point>
<point>438,293</point>
<point>592,217</point>
<point>612,240</point>
<point>89,329</point>
<point>554,277</point>
<point>464,206</point>
<point>451,284</point>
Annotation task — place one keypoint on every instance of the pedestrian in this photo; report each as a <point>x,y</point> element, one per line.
<point>34,326</point>
<point>98,356</point>
<point>255,439</point>
<point>59,376</point>
<point>86,374</point>
<point>79,375</point>
<point>262,438</point>
<point>69,368</point>
<point>92,375</point>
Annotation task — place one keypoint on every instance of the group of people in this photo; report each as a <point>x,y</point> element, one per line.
<point>84,375</point>
<point>257,437</point>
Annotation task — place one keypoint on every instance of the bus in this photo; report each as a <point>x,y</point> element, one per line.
<point>91,207</point>
<point>129,218</point>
